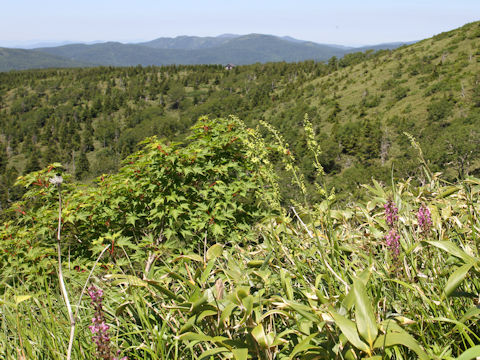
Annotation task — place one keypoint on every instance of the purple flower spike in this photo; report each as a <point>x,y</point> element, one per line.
<point>99,328</point>
<point>424,219</point>
<point>393,242</point>
<point>391,213</point>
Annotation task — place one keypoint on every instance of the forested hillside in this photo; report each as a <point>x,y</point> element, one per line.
<point>20,59</point>
<point>360,105</point>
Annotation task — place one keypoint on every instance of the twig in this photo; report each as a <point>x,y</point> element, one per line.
<point>301,222</point>
<point>88,279</point>
<point>148,265</point>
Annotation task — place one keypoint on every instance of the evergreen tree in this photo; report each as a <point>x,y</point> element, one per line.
<point>82,166</point>
<point>50,154</point>
<point>33,164</point>
<point>3,159</point>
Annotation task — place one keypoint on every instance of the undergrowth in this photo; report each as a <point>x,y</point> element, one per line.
<point>204,262</point>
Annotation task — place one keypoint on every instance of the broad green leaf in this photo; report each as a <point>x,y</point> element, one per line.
<point>191,336</point>
<point>206,313</point>
<point>364,276</point>
<point>456,278</point>
<point>126,280</point>
<point>473,311</point>
<point>286,283</point>
<point>227,312</point>
<point>454,250</point>
<point>21,298</point>
<point>304,310</point>
<point>198,303</point>
<point>364,316</point>
<point>206,273</point>
<point>207,354</point>
<point>188,325</point>
<point>274,311</point>
<point>247,303</point>
<point>214,251</point>
<point>349,329</point>
<point>240,354</point>
<point>303,346</point>
<point>255,263</point>
<point>157,285</point>
<point>472,353</point>
<point>258,334</point>
<point>242,292</point>
<point>448,191</point>
<point>193,257</point>
<point>275,340</point>
<point>349,300</point>
<point>397,336</point>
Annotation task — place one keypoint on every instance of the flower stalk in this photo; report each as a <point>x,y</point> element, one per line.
<point>57,181</point>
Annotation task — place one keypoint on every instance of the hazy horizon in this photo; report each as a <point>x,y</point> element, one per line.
<point>38,43</point>
<point>346,22</point>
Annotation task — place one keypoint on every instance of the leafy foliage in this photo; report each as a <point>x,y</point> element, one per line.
<point>212,187</point>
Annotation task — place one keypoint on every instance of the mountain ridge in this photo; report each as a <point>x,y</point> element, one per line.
<point>183,50</point>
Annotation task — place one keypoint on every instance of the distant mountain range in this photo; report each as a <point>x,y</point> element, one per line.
<point>21,59</point>
<point>188,50</point>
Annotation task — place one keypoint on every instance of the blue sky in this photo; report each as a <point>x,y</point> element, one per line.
<point>344,22</point>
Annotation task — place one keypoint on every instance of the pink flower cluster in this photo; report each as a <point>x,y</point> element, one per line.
<point>424,219</point>
<point>393,242</point>
<point>391,213</point>
<point>99,328</point>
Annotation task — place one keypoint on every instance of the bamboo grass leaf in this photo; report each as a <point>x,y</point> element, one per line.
<point>349,329</point>
<point>364,316</point>
<point>456,278</point>
<point>240,354</point>
<point>454,250</point>
<point>472,353</point>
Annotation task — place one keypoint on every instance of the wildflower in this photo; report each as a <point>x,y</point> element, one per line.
<point>99,328</point>
<point>424,219</point>
<point>391,213</point>
<point>393,242</point>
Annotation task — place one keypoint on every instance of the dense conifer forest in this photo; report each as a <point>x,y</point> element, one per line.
<point>272,211</point>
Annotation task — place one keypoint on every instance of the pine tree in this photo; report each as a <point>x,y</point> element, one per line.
<point>33,164</point>
<point>3,159</point>
<point>83,166</point>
